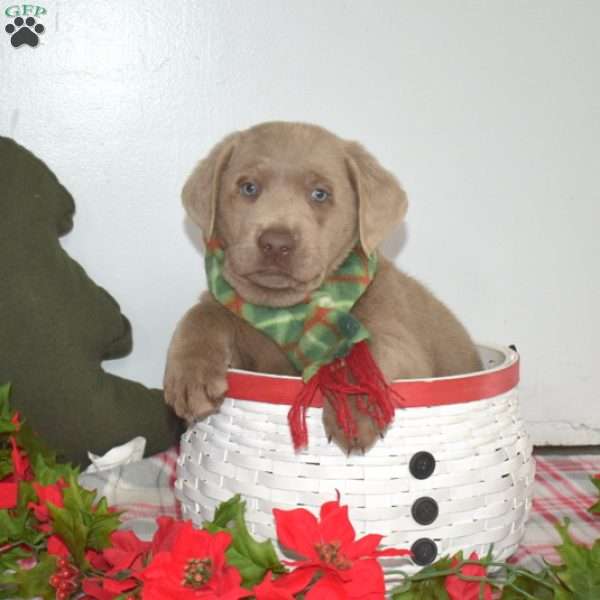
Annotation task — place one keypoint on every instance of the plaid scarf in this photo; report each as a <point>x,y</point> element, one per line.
<point>321,338</point>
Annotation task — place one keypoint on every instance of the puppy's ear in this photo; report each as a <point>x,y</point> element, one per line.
<point>382,202</point>
<point>201,190</point>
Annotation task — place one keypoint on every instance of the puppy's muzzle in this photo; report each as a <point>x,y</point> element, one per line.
<point>276,245</point>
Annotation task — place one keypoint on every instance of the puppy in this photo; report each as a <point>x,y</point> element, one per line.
<point>288,202</point>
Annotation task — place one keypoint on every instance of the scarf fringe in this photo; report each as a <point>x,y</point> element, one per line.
<point>357,374</point>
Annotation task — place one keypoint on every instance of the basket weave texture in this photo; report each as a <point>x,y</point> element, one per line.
<point>481,483</point>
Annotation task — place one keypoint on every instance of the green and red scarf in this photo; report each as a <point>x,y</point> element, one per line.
<point>321,338</point>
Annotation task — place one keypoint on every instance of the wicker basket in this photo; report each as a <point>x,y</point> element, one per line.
<point>454,471</point>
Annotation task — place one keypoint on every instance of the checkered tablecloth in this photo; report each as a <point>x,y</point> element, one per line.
<point>144,490</point>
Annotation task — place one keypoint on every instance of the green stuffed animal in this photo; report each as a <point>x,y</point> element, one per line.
<point>57,326</point>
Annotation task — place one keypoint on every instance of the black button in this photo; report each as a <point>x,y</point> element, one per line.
<point>425,510</point>
<point>424,551</point>
<point>422,465</point>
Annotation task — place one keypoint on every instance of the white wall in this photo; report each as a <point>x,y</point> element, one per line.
<point>489,112</point>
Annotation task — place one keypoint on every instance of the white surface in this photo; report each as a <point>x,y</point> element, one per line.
<point>488,112</point>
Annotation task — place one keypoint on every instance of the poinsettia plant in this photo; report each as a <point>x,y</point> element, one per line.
<point>58,540</point>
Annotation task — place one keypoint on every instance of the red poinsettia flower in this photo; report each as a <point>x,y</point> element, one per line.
<point>348,568</point>
<point>195,569</point>
<point>285,587</point>
<point>8,494</point>
<point>47,494</point>
<point>458,589</point>
<point>126,555</point>
<point>21,466</point>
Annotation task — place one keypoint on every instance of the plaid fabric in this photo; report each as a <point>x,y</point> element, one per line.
<point>562,490</point>
<point>312,333</point>
<point>144,490</point>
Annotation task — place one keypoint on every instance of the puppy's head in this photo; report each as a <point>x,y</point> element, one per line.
<point>289,201</point>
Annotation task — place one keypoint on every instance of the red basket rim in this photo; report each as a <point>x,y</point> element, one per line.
<point>439,391</point>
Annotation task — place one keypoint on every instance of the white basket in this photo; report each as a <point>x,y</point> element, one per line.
<point>481,483</point>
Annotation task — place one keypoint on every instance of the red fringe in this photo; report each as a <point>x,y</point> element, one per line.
<point>355,374</point>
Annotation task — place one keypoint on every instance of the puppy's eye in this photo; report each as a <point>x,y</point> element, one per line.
<point>249,189</point>
<point>319,195</point>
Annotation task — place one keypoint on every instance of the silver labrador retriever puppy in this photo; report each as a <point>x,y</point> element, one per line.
<point>289,201</point>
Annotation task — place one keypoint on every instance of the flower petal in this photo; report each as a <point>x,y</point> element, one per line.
<point>297,530</point>
<point>191,543</point>
<point>297,580</point>
<point>97,560</point>
<point>459,589</point>
<point>116,586</point>
<point>167,531</point>
<point>285,587</point>
<point>219,542</point>
<point>19,459</point>
<point>126,549</point>
<point>92,587</point>
<point>57,547</point>
<point>8,495</point>
<point>366,581</point>
<point>364,547</point>
<point>393,552</point>
<point>329,507</point>
<point>335,524</point>
<point>327,588</point>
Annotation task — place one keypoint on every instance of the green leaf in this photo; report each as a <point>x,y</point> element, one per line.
<point>18,526</point>
<point>596,507</point>
<point>226,512</point>
<point>6,426</point>
<point>531,586</point>
<point>5,412</point>
<point>69,526</point>
<point>25,496</point>
<point>580,572</point>
<point>82,523</point>
<point>102,524</point>
<point>4,396</point>
<point>6,466</point>
<point>30,583</point>
<point>9,559</point>
<point>12,526</point>
<point>47,471</point>
<point>432,589</point>
<point>563,594</point>
<point>428,585</point>
<point>253,559</point>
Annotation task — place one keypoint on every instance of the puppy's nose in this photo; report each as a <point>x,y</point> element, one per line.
<point>276,243</point>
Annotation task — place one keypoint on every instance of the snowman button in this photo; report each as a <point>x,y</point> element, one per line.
<point>425,510</point>
<point>424,551</point>
<point>422,465</point>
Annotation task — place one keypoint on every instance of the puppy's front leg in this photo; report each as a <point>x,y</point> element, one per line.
<point>200,353</point>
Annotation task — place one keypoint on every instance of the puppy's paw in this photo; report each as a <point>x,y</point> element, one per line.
<point>367,432</point>
<point>195,388</point>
